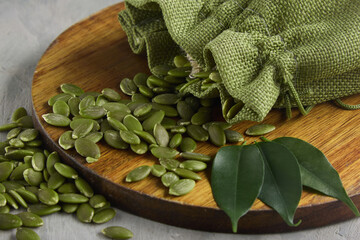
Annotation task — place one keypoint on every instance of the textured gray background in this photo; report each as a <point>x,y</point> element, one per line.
<point>27,27</point>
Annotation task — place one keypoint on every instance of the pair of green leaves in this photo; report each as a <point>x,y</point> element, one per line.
<point>273,171</point>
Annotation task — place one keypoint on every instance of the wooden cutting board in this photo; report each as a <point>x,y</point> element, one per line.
<point>95,54</point>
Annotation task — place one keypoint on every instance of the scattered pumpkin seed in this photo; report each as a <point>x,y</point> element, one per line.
<point>196,156</point>
<point>129,137</point>
<point>17,173</point>
<point>128,87</point>
<point>116,124</point>
<point>197,132</point>
<point>7,127</point>
<point>180,72</point>
<point>13,133</point>
<point>168,123</point>
<point>66,141</point>
<point>17,143</point>
<point>178,129</point>
<point>116,232</point>
<point>97,201</point>
<point>32,177</point>
<point>18,113</point>
<point>13,185</point>
<point>161,135</point>
<point>25,122</point>
<point>111,94</point>
<point>201,117</point>
<point>6,169</point>
<point>66,170</point>
<point>82,130</point>
<point>155,118</point>
<point>164,152</point>
<point>18,198</point>
<point>2,200</point>
<point>71,89</point>
<point>113,139</point>
<point>188,144</point>
<point>18,154</point>
<point>57,120</point>
<point>87,148</point>
<point>142,109</point>
<point>85,213</point>
<point>50,162</point>
<point>61,107</point>
<point>138,174</point>
<point>28,196</point>
<point>146,136</point>
<point>55,180</point>
<point>140,148</point>
<point>69,208</point>
<point>217,135</point>
<point>167,99</point>
<point>93,112</point>
<point>11,201</point>
<point>94,136</point>
<point>48,196</point>
<point>169,178</point>
<point>5,209</point>
<point>78,121</point>
<point>38,161</point>
<point>233,136</point>
<point>26,234</point>
<point>72,198</point>
<point>30,219</point>
<point>104,215</point>
<point>175,140</point>
<point>2,188</point>
<point>185,173</point>
<point>62,96</point>
<point>73,104</point>
<point>158,170</point>
<point>132,123</point>
<point>259,129</point>
<point>136,100</point>
<point>181,187</point>
<point>235,109</point>
<point>87,101</point>
<point>84,187</point>
<point>68,187</point>
<point>146,91</point>
<point>223,125</point>
<point>43,210</point>
<point>140,79</point>
<point>9,221</point>
<point>169,163</point>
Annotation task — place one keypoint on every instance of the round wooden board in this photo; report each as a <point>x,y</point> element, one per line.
<point>95,54</point>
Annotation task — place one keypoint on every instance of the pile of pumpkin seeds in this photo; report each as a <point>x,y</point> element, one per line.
<point>158,118</point>
<point>35,179</point>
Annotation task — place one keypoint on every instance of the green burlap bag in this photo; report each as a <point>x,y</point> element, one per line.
<point>269,53</point>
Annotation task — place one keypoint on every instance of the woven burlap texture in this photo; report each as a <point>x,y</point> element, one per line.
<point>266,51</point>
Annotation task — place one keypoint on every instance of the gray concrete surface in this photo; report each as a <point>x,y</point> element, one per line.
<point>27,27</point>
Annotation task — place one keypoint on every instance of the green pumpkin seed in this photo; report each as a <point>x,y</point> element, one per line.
<point>185,110</point>
<point>106,205</point>
<point>94,136</point>
<point>116,232</point>
<point>146,136</point>
<point>233,136</point>
<point>175,140</point>
<point>30,219</point>
<point>28,196</point>
<point>27,159</point>
<point>197,132</point>
<point>223,125</point>
<point>17,173</point>
<point>61,107</point>
<point>111,94</point>
<point>38,161</point>
<point>146,91</point>
<point>168,123</point>
<point>69,208</point>
<point>82,130</point>
<point>72,198</point>
<point>217,135</point>
<point>158,170</point>
<point>55,180</point>
<point>33,177</point>
<point>174,80</point>
<point>66,141</point>
<point>87,148</point>
<point>84,187</point>
<point>18,154</point>
<point>140,148</point>
<point>88,101</point>
<point>129,137</point>
<point>235,109</point>
<point>73,104</point>
<point>105,125</point>
<point>136,100</point>
<point>2,200</point>
<point>6,169</point>
<point>260,129</point>
<point>97,201</point>
<point>5,209</point>
<point>91,160</point>
<point>169,178</point>
<point>202,74</point>
<point>2,188</point>
<point>128,87</point>
<point>62,97</point>
<point>181,187</point>
<point>71,89</point>
<point>13,185</point>
<point>113,139</point>
<point>18,198</point>
<point>34,143</point>
<point>25,122</point>
<point>167,99</point>
<point>26,234</point>
<point>104,215</point>
<point>9,221</point>
<point>32,189</point>
<point>215,76</point>
<point>66,170</point>
<point>57,120</point>
<point>188,144</point>
<point>157,82</point>
<point>93,112</point>
<point>196,156</point>
<point>138,174</point>
<point>143,109</point>
<point>7,127</point>
<point>140,79</point>
<point>226,105</point>
<point>132,123</point>
<point>11,201</point>
<point>170,111</point>
<point>18,113</point>
<point>13,133</point>
<point>43,185</point>
<point>185,173</point>
<point>68,188</point>
<point>161,70</point>
<point>180,61</point>
<point>43,210</point>
<point>201,117</point>
<point>48,196</point>
<point>50,162</point>
<point>161,135</point>
<point>180,72</point>
<point>76,122</point>
<point>116,124</point>
<point>169,163</point>
<point>164,152</point>
<point>101,100</point>
<point>155,118</point>
<point>17,143</point>
<point>85,213</point>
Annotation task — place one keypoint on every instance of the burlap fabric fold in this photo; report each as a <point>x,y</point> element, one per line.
<point>269,53</point>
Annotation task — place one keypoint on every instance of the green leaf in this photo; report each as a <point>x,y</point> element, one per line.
<point>236,179</point>
<point>316,171</point>
<point>282,187</point>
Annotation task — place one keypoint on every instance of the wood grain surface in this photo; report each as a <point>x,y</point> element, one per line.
<point>95,54</point>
